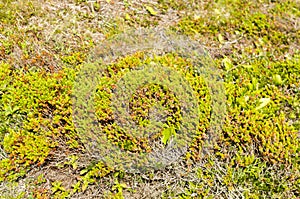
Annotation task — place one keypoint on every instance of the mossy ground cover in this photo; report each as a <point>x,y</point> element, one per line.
<point>255,44</point>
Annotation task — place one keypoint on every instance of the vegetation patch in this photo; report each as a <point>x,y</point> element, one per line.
<point>255,44</point>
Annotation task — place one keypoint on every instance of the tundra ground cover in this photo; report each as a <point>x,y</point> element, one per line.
<point>255,44</point>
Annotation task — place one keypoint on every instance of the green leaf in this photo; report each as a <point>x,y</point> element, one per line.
<point>227,64</point>
<point>277,79</point>
<point>264,102</point>
<point>57,186</point>
<point>167,133</point>
<point>84,171</point>
<point>247,66</point>
<point>127,17</point>
<point>220,38</point>
<point>151,10</point>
